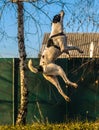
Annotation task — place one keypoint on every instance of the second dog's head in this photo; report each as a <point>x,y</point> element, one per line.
<point>59,17</point>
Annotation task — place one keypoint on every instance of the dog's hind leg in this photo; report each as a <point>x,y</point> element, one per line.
<point>53,69</point>
<point>64,77</point>
<point>54,81</point>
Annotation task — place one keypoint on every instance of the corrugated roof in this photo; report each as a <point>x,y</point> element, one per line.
<point>88,42</point>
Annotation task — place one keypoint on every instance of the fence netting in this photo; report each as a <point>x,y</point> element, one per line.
<point>45,103</point>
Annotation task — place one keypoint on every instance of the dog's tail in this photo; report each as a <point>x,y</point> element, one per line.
<point>31,67</point>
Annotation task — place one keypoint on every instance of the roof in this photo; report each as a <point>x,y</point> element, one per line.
<point>88,42</point>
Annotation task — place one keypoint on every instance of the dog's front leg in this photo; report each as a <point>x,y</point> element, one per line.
<point>54,81</point>
<point>69,48</point>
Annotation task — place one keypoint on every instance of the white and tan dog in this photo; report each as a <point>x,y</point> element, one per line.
<point>54,48</point>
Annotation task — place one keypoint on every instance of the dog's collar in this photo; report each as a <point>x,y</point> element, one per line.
<point>51,43</point>
<point>59,34</point>
<point>50,40</point>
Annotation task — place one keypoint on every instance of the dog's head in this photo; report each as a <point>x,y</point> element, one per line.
<point>57,23</point>
<point>59,17</point>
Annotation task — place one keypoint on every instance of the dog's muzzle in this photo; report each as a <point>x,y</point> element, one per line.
<point>62,13</point>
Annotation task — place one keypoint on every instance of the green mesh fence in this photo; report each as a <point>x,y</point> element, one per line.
<point>85,99</point>
<point>6,110</point>
<point>45,103</point>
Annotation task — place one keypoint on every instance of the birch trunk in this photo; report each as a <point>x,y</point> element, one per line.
<point>21,118</point>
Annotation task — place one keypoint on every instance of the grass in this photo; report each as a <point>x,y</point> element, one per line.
<point>64,126</point>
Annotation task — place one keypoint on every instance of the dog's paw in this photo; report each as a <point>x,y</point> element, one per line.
<point>75,85</point>
<point>67,99</point>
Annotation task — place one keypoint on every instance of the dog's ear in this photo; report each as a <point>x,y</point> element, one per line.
<point>56,18</point>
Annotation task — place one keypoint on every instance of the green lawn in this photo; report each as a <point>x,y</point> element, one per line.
<point>64,126</point>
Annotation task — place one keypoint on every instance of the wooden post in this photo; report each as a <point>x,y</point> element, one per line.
<point>15,89</point>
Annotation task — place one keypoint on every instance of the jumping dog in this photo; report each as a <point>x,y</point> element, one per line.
<point>56,45</point>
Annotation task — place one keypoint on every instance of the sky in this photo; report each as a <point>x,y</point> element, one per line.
<point>79,17</point>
